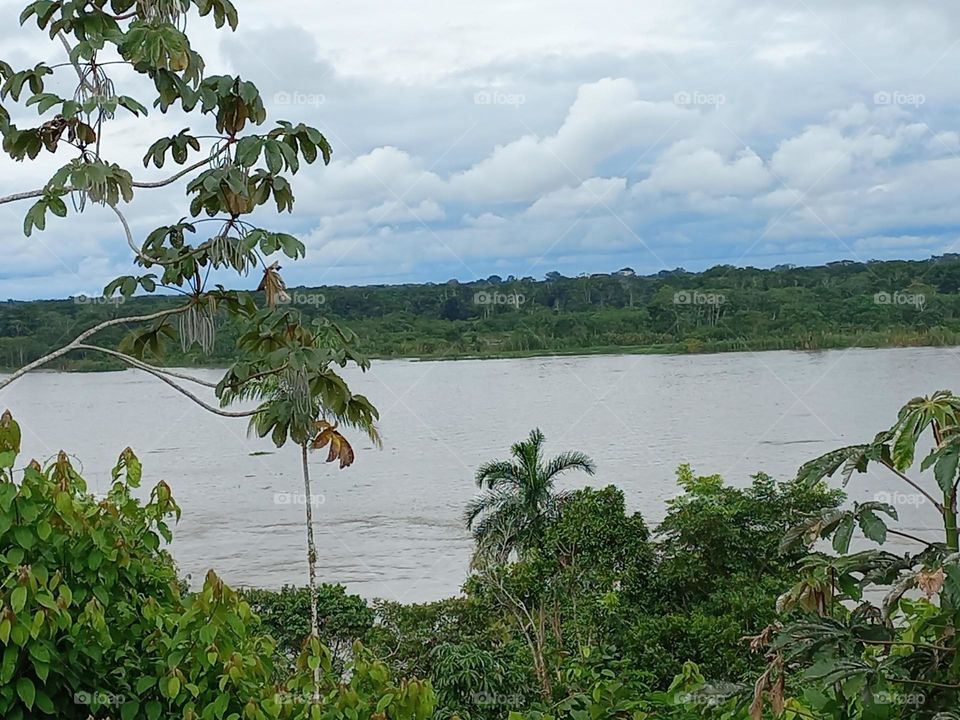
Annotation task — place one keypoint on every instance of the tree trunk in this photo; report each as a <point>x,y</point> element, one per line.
<point>311,564</point>
<point>950,521</point>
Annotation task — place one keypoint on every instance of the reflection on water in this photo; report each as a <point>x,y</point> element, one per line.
<point>389,526</point>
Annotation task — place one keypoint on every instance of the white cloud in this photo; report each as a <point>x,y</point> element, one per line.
<point>706,171</point>
<point>800,159</point>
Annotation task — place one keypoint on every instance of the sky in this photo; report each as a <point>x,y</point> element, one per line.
<point>524,137</point>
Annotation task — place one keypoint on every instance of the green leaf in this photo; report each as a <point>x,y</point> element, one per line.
<point>384,701</point>
<point>145,683</point>
<point>26,691</point>
<point>44,703</point>
<point>843,534</point>
<point>872,526</point>
<point>18,598</point>
<point>945,469</point>
<point>248,151</point>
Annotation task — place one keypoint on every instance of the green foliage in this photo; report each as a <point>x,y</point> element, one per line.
<point>780,309</point>
<point>714,532</point>
<point>899,657</point>
<point>285,615</point>
<point>519,501</point>
<point>237,173</point>
<point>93,620</point>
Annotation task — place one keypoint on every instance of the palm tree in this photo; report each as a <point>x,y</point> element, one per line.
<point>302,409</point>
<point>519,499</point>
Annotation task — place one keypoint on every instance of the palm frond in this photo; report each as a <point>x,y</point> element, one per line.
<point>485,503</point>
<point>496,473</point>
<point>572,460</point>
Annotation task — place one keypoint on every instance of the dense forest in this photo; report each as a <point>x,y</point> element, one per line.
<point>842,304</point>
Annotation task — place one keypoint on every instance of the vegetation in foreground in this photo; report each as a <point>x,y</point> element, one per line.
<point>729,609</point>
<point>874,304</point>
<point>572,607</point>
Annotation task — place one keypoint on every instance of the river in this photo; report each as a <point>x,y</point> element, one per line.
<point>389,526</point>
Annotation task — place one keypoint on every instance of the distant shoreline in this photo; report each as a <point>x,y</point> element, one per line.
<point>676,349</point>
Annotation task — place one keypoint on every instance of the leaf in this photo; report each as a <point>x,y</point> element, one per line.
<point>18,598</point>
<point>273,287</point>
<point>872,526</point>
<point>26,691</point>
<point>931,581</point>
<point>144,684</point>
<point>248,151</point>
<point>945,461</point>
<point>384,702</point>
<point>843,534</point>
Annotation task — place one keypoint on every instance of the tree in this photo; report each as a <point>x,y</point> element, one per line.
<point>854,647</point>
<point>301,408</point>
<point>240,172</point>
<point>278,354</point>
<point>519,499</point>
<point>95,622</point>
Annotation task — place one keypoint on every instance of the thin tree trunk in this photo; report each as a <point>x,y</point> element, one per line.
<point>311,564</point>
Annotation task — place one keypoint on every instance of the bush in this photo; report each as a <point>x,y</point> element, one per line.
<point>93,621</point>
<point>285,616</point>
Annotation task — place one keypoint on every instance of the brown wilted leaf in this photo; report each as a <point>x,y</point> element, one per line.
<point>776,695</point>
<point>930,582</point>
<point>774,688</point>
<point>273,287</point>
<point>760,641</point>
<point>339,447</point>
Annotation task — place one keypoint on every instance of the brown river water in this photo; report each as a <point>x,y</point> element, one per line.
<point>389,526</point>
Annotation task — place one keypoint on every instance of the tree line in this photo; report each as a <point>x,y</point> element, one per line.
<point>870,304</point>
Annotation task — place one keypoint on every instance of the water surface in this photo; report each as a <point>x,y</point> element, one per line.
<point>389,526</point>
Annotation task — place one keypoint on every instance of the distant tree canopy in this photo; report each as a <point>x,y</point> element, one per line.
<point>841,304</point>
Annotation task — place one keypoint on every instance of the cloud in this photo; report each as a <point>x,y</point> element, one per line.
<point>555,136</point>
<point>705,171</point>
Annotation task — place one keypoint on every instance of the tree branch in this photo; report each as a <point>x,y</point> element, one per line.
<point>908,536</point>
<point>162,375</point>
<point>83,336</point>
<point>133,246</point>
<point>911,483</point>
<point>135,362</point>
<point>148,185</point>
<point>21,196</point>
<point>186,170</point>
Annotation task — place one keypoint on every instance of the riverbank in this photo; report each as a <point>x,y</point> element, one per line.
<point>691,346</point>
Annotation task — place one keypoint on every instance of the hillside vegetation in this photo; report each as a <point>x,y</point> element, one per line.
<point>874,304</point>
